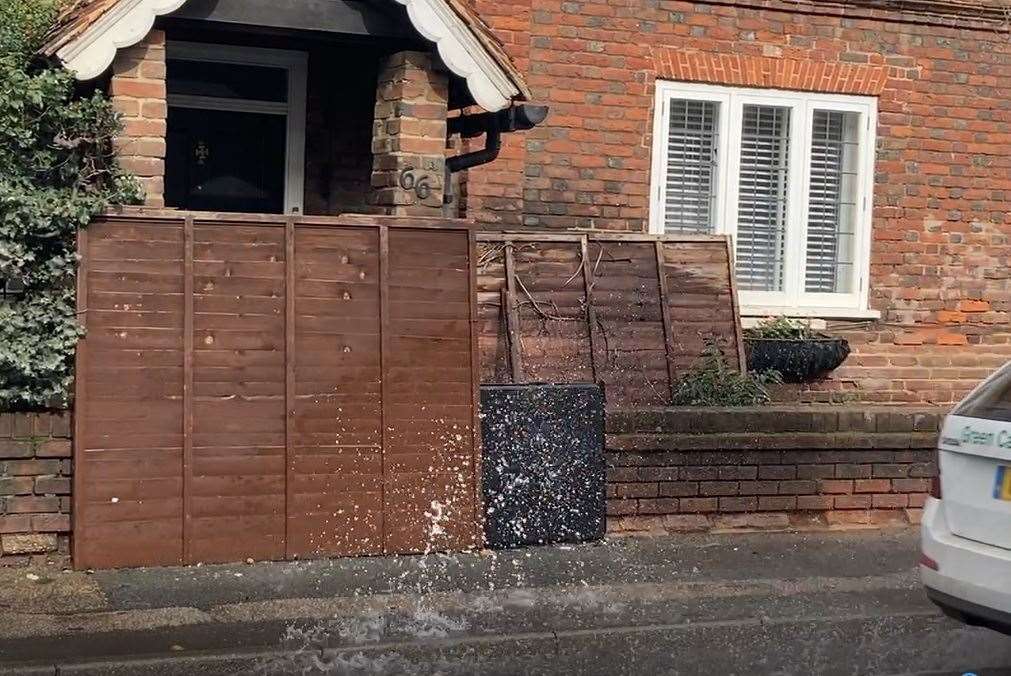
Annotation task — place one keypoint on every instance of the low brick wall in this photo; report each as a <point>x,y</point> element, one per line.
<point>770,467</point>
<point>669,470</point>
<point>35,484</point>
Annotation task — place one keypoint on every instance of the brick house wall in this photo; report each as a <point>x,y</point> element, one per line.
<point>35,485</point>
<point>493,194</point>
<point>338,130</point>
<point>939,263</point>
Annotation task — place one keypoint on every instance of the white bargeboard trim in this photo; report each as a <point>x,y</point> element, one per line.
<point>462,52</point>
<point>124,25</point>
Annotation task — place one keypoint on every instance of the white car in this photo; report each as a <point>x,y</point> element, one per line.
<point>966,531</point>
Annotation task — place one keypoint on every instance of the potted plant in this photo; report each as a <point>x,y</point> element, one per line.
<point>793,348</point>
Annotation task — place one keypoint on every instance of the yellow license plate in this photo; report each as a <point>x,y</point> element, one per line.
<point>1002,485</point>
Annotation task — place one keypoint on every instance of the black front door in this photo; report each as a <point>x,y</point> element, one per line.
<point>225,161</point>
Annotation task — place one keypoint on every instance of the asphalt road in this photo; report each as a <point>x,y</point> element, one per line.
<point>847,603</point>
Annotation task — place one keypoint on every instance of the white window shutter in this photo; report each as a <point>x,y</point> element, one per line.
<point>763,189</point>
<point>832,207</point>
<point>689,197</point>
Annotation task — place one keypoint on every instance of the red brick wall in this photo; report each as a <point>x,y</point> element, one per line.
<point>35,478</point>
<point>495,194</point>
<point>137,90</point>
<point>338,142</point>
<point>939,271</point>
<point>775,467</point>
<point>409,134</point>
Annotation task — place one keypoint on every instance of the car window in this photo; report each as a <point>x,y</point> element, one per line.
<point>992,400</point>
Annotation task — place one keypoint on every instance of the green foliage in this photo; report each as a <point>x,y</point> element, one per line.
<point>782,328</point>
<point>23,25</point>
<point>59,171</point>
<point>714,382</point>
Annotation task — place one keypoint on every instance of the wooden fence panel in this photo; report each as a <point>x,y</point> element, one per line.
<point>551,302</point>
<point>129,462</point>
<point>268,387</point>
<point>632,312</point>
<point>235,476</point>
<point>336,462</point>
<point>627,298</point>
<point>702,301</point>
<point>428,376</point>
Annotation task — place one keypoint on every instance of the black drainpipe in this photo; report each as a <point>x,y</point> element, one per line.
<point>492,125</point>
<point>492,146</point>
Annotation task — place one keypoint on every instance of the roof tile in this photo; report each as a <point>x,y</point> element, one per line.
<point>75,18</point>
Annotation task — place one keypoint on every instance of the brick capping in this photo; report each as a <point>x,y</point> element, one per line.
<point>778,419</point>
<point>35,487</point>
<point>763,442</point>
<point>679,469</point>
<point>744,70</point>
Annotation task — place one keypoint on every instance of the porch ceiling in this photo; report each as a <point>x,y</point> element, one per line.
<point>90,32</point>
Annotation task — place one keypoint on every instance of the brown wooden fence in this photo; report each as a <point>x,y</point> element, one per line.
<point>631,311</point>
<point>274,388</point>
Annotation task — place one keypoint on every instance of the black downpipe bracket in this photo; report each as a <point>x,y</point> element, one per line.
<point>492,125</point>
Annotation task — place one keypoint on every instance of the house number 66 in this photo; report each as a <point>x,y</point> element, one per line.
<point>419,184</point>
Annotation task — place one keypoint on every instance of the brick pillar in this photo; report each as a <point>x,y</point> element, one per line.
<point>409,134</point>
<point>138,92</point>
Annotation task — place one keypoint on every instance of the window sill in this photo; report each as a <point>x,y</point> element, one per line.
<point>750,315</point>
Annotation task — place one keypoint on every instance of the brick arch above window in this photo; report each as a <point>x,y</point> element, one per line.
<point>743,70</point>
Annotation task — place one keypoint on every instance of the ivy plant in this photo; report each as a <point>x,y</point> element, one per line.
<point>713,381</point>
<point>59,171</point>
<point>782,328</point>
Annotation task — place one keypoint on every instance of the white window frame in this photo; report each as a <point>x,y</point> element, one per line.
<point>294,110</point>
<point>794,300</point>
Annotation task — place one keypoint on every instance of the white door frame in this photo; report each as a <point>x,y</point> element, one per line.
<point>296,65</point>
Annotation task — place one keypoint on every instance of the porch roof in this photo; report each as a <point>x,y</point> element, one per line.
<point>89,32</point>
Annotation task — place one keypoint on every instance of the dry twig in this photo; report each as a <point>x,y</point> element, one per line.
<point>537,306</point>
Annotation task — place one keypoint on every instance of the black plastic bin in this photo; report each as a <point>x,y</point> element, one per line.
<point>543,466</point>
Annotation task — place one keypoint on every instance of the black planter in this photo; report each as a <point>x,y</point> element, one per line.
<point>543,466</point>
<point>798,361</point>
